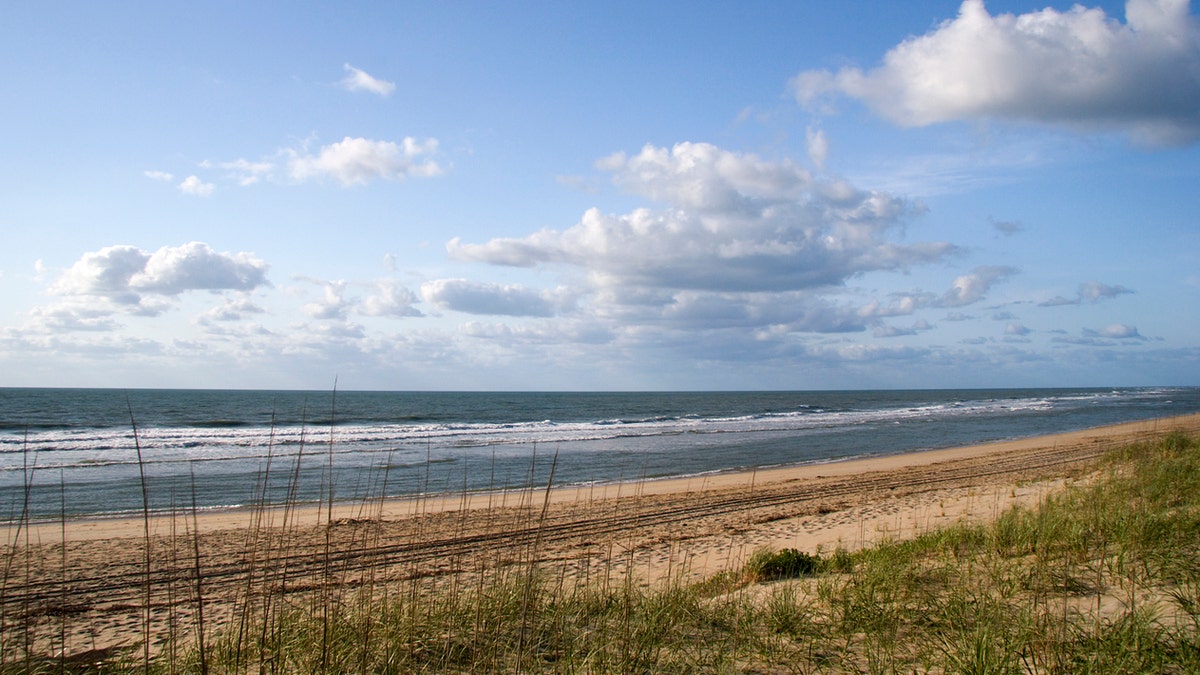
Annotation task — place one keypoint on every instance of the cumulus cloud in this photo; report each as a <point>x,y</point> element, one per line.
<point>125,274</point>
<point>1058,301</point>
<point>70,317</point>
<point>781,312</point>
<point>1116,331</point>
<point>340,298</point>
<point>390,298</point>
<point>818,147</point>
<point>337,331</point>
<point>350,161</point>
<point>729,222</point>
<point>1017,329</point>
<point>1113,334</point>
<point>127,280</point>
<point>357,80</point>
<point>171,270</point>
<point>730,244</point>
<point>231,309</point>
<point>970,288</point>
<point>333,303</point>
<point>353,161</point>
<point>192,185</point>
<point>474,297</point>
<point>1077,68</point>
<point>105,273</point>
<point>1090,291</point>
<point>1095,291</point>
<point>888,331</point>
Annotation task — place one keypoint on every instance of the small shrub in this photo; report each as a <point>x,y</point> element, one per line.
<point>786,564</point>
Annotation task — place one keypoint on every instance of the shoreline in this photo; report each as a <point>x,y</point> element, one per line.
<point>91,528</point>
<point>684,529</point>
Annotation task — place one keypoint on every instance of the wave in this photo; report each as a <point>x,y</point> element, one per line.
<point>221,439</point>
<point>484,441</point>
<point>220,424</point>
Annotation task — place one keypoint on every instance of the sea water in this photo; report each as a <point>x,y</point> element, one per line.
<point>90,452</point>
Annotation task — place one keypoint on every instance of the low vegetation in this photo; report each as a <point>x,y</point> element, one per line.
<point>1102,577</point>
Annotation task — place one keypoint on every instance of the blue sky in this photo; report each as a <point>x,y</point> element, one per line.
<point>618,195</point>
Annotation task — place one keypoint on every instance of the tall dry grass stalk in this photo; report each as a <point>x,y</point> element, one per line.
<point>146,540</point>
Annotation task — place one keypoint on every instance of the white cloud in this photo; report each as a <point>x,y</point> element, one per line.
<point>351,161</point>
<point>474,297</point>
<point>390,298</point>
<point>333,303</point>
<point>888,331</point>
<point>126,275</point>
<point>1091,291</point>
<point>859,352</point>
<point>1058,301</point>
<point>127,280</point>
<point>231,309</point>
<point>172,270</point>
<point>730,222</point>
<point>1077,68</point>
<point>357,80</point>
<point>705,177</point>
<point>162,176</point>
<point>1016,328</point>
<point>970,288</point>
<point>70,317</point>
<point>1116,331</point>
<point>105,273</point>
<point>545,334</point>
<point>786,312</point>
<point>337,330</point>
<point>1111,335</point>
<point>192,185</point>
<point>735,243</point>
<point>1095,291</point>
<point>354,161</point>
<point>244,171</point>
<point>339,299</point>
<point>818,147</point>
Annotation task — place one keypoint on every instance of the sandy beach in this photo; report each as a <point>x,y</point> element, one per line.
<point>88,578</point>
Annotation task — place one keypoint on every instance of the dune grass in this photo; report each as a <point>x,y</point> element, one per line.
<point>1102,577</point>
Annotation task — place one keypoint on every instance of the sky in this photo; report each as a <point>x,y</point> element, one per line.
<point>600,195</point>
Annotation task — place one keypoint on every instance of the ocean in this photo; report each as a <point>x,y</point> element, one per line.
<point>88,452</point>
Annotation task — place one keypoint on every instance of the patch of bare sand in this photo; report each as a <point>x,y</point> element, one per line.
<point>884,519</point>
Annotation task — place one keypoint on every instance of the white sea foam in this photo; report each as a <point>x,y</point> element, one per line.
<point>231,454</point>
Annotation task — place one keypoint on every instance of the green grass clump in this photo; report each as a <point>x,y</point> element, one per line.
<point>786,564</point>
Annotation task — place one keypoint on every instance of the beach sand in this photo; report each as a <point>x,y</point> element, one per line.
<point>87,579</point>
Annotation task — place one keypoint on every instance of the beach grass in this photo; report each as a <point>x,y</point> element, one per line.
<point>1102,576</point>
